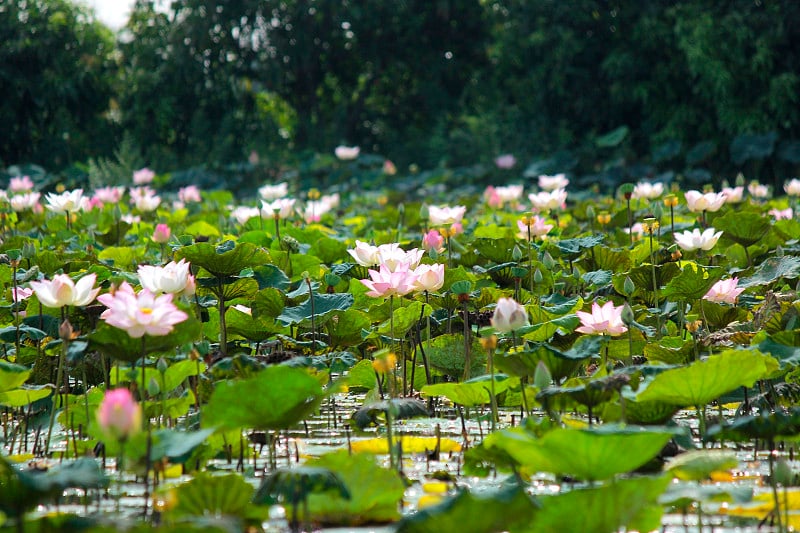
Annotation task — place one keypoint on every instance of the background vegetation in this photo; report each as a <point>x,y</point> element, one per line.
<point>608,90</point>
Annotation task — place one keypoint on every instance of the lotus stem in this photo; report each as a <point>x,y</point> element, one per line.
<point>223,333</point>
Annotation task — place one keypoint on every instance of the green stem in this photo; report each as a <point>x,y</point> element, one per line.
<point>223,333</point>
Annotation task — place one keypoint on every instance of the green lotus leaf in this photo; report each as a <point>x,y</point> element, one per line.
<point>405,318</point>
<point>268,303</point>
<point>767,427</point>
<point>329,250</point>
<point>772,269</point>
<point>250,327</point>
<point>275,398</point>
<point>630,504</point>
<point>578,244</point>
<point>612,259</point>
<point>215,495</point>
<point>375,492</point>
<point>670,350</point>
<point>718,316</point>
<point>293,485</point>
<point>787,356</point>
<point>697,465</point>
<point>496,250</point>
<point>502,510</point>
<point>24,396</point>
<point>175,445</point>
<point>743,227</point>
<point>224,260</point>
<point>346,328</point>
<point>597,278</point>
<point>12,376</point>
<point>683,495</point>
<point>324,306</point>
<point>476,391</point>
<point>362,376</point>
<point>271,276</point>
<point>706,380</point>
<point>560,364</point>
<point>120,256</point>
<point>591,454</point>
<point>692,283</point>
<point>201,227</point>
<point>446,354</point>
<point>9,333</point>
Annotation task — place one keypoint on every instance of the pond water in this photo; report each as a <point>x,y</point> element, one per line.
<point>329,430</point>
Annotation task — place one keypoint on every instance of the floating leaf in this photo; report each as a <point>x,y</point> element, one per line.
<point>765,426</point>
<point>295,484</point>
<point>24,396</point>
<point>399,408</point>
<point>704,381</point>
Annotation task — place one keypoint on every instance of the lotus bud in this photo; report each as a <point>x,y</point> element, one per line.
<point>153,389</point>
<point>162,365</point>
<point>119,416</point>
<point>627,314</point>
<point>658,210</point>
<point>65,331</point>
<point>538,277</point>
<point>740,180</point>
<point>590,213</point>
<point>628,287</point>
<point>548,261</point>
<point>542,377</point>
<point>516,253</point>
<point>161,234</point>
<point>509,316</point>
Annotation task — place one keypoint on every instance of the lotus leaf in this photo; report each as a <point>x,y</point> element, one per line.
<point>470,393</point>
<point>704,381</point>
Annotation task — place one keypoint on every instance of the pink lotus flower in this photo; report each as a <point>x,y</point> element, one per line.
<point>108,195</point>
<point>733,195</point>
<point>347,153</point>
<point>433,240</point>
<point>23,202</point>
<point>757,190</point>
<point>393,257</point>
<point>509,315</point>
<point>175,278</point>
<point>792,188</point>
<point>143,176</point>
<point>429,277</point>
<point>61,291</point>
<point>724,291</point>
<point>605,320</point>
<point>537,226</point>
<point>20,293</point>
<point>782,214</point>
<point>637,229</point>
<point>444,215</point>
<point>547,201</point>
<point>389,168</point>
<point>551,183</point>
<point>505,161</point>
<point>695,240</point>
<point>386,282</point>
<point>145,199</point>
<point>456,228</point>
<point>118,415</point>
<point>140,314</point>
<point>273,192</point>
<point>492,198</point>
<point>710,201</point>
<point>189,194</point>
<point>161,234</point>
<point>20,184</point>
<point>647,190</point>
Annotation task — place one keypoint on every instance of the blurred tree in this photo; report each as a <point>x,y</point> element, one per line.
<point>56,83</point>
<point>217,79</point>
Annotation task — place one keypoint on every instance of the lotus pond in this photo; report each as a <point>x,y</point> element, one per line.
<point>519,358</point>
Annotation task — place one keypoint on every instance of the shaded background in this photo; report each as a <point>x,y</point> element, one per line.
<point>694,90</point>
